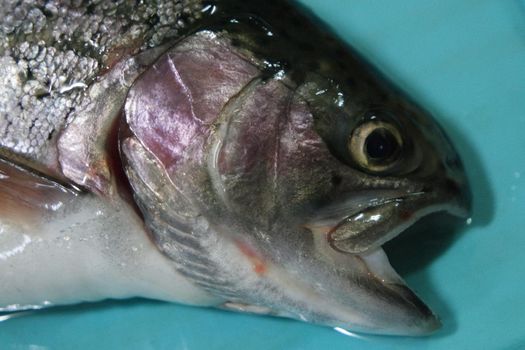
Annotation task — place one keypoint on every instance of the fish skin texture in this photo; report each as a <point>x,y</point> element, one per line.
<point>52,51</point>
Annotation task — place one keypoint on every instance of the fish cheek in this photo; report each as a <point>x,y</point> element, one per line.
<point>269,162</point>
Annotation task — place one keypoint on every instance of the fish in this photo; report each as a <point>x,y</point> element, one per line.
<point>221,154</point>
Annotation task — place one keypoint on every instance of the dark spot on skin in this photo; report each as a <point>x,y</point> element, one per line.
<point>305,46</point>
<point>153,20</point>
<point>453,162</point>
<point>40,96</point>
<point>296,22</point>
<point>236,7</point>
<point>339,52</point>
<point>29,74</point>
<point>32,125</point>
<point>383,96</point>
<point>313,65</point>
<point>263,40</point>
<point>90,9</point>
<point>336,180</point>
<point>286,35</point>
<point>350,82</point>
<point>46,12</point>
<point>235,42</point>
<point>184,17</point>
<point>452,186</point>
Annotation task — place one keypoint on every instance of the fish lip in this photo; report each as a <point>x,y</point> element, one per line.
<point>427,321</point>
<point>410,207</point>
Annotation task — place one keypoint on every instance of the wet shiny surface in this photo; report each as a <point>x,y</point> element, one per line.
<point>465,62</point>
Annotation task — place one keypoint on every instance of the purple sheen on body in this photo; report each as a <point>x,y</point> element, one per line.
<point>171,108</point>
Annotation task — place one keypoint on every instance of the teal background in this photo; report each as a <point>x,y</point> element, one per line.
<point>464,61</point>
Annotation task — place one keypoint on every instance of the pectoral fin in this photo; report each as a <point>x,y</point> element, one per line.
<point>26,197</point>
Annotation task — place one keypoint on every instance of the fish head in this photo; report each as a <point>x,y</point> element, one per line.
<point>389,162</point>
<point>277,190</point>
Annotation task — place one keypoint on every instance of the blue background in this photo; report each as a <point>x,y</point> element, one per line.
<point>464,61</point>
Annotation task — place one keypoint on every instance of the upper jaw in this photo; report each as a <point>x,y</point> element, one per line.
<point>365,222</point>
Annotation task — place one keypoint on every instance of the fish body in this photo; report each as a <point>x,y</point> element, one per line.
<point>211,153</point>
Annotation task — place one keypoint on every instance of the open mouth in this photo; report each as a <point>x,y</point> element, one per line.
<point>393,224</point>
<point>364,224</point>
<point>364,231</point>
<point>411,246</point>
<point>423,242</point>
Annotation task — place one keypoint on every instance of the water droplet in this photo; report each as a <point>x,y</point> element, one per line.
<point>340,100</point>
<point>76,85</point>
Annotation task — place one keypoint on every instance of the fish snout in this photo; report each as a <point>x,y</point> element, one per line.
<point>454,189</point>
<point>461,205</point>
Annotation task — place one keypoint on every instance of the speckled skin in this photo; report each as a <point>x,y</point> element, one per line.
<point>52,51</point>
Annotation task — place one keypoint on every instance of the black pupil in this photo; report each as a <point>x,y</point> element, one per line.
<point>380,145</point>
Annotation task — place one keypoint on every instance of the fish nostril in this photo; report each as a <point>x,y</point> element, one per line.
<point>453,163</point>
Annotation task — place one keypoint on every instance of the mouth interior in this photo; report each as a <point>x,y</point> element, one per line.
<point>389,239</point>
<point>422,243</point>
<point>413,247</point>
<point>378,264</point>
<point>411,251</point>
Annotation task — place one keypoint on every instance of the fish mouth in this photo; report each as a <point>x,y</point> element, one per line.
<point>394,308</point>
<point>377,224</point>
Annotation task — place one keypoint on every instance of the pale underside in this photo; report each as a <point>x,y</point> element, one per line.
<point>87,250</point>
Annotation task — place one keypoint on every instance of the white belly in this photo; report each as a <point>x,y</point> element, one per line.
<point>87,251</point>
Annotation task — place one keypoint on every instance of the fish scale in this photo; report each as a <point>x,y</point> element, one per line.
<point>52,51</point>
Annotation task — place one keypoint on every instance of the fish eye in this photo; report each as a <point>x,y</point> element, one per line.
<point>375,145</point>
